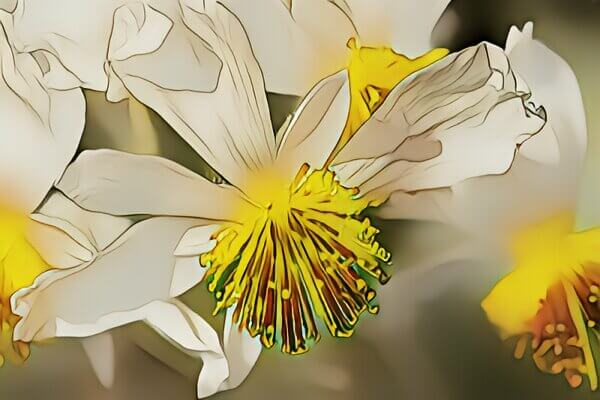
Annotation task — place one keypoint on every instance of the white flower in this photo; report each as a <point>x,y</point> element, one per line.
<point>459,118</point>
<point>36,144</point>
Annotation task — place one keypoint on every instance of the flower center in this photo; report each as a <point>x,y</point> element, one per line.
<point>20,264</point>
<point>303,254</point>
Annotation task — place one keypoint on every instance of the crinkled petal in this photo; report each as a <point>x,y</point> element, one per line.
<point>119,183</point>
<point>462,117</point>
<point>535,186</point>
<point>229,127</point>
<point>119,29</point>
<point>43,114</point>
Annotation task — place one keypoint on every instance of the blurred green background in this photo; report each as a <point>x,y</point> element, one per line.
<point>432,342</point>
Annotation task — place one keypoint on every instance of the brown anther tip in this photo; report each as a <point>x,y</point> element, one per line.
<point>352,44</point>
<point>575,380</point>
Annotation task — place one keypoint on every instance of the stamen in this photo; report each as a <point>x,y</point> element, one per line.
<point>304,254</point>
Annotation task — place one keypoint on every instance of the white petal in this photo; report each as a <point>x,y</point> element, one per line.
<point>532,189</point>
<point>460,118</point>
<point>184,327</point>
<point>67,236</point>
<point>229,126</point>
<point>188,271</point>
<point>100,350</point>
<point>137,29</point>
<point>83,47</point>
<point>124,184</point>
<point>242,352</point>
<point>110,291</point>
<point>42,118</point>
<point>316,126</point>
<point>404,25</point>
<point>553,85</point>
<point>154,43</point>
<point>58,29</point>
<point>297,43</point>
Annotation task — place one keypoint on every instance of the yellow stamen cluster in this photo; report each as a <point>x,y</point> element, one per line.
<point>304,253</point>
<point>550,300</point>
<point>20,264</point>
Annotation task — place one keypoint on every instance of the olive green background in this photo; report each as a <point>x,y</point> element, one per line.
<point>432,342</point>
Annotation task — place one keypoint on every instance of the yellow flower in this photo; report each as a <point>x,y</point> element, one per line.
<point>550,300</point>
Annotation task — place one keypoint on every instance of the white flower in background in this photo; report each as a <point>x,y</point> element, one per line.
<point>525,218</point>
<point>282,239</point>
<point>36,144</point>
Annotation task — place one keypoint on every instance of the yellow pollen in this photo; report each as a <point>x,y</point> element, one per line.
<point>20,264</point>
<point>308,254</point>
<point>372,73</point>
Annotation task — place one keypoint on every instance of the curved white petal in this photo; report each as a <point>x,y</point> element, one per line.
<point>532,188</point>
<point>297,43</point>
<point>554,86</point>
<point>100,350</point>
<point>129,281</point>
<point>67,236</point>
<point>193,334</point>
<point>119,183</point>
<point>130,273</point>
<point>150,27</point>
<point>230,126</point>
<point>242,352</point>
<point>186,273</point>
<point>154,43</point>
<point>42,116</point>
<point>316,126</point>
<point>460,118</point>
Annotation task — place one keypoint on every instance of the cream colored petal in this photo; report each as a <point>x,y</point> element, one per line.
<point>404,25</point>
<point>151,26</point>
<point>316,126</point>
<point>187,271</point>
<point>460,118</point>
<point>42,115</point>
<point>229,127</point>
<point>59,28</point>
<point>153,42</point>
<point>67,236</point>
<point>130,273</point>
<point>242,352</point>
<point>535,187</point>
<point>297,43</point>
<point>553,85</point>
<point>124,184</point>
